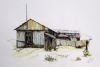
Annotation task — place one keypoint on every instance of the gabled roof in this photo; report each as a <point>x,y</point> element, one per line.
<point>31,25</point>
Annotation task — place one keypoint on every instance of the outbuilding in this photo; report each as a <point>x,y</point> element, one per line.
<point>34,34</point>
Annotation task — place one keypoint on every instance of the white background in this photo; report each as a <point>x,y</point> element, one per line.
<point>82,15</point>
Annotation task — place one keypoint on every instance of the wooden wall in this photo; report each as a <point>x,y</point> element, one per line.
<point>31,25</point>
<point>20,38</point>
<point>71,43</point>
<point>38,38</point>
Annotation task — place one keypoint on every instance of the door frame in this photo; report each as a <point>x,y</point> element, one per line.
<point>28,38</point>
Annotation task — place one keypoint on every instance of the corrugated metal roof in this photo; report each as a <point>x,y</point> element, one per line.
<point>50,35</point>
<point>62,35</point>
<point>66,31</point>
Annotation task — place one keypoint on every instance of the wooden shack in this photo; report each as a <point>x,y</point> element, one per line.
<point>34,34</point>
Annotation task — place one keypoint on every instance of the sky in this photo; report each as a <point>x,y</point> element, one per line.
<point>81,15</point>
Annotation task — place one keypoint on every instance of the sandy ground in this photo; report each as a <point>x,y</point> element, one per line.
<point>29,57</point>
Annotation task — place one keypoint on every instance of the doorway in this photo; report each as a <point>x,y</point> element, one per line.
<point>29,38</point>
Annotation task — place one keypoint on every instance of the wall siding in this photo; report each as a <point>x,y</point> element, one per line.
<point>20,44</point>
<point>21,35</point>
<point>81,43</point>
<point>70,43</point>
<point>33,25</point>
<point>20,38</point>
<point>38,38</point>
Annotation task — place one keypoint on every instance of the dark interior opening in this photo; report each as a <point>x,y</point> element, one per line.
<point>29,38</point>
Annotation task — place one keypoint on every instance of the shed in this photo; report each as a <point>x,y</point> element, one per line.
<point>34,34</point>
<point>67,37</point>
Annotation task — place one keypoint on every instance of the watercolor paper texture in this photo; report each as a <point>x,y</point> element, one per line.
<point>49,33</point>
